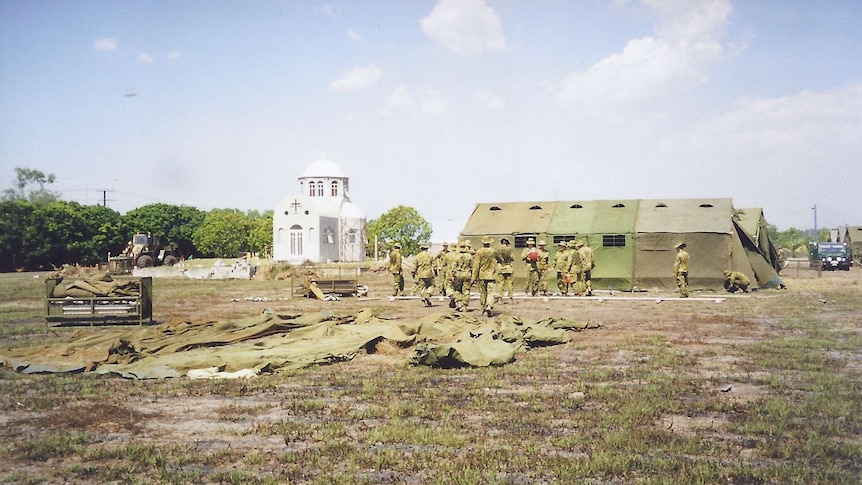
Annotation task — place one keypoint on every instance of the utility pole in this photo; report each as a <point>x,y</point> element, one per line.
<point>816,238</point>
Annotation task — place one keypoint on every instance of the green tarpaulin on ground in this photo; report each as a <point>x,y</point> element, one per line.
<point>270,342</point>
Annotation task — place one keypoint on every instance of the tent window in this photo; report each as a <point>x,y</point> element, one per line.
<point>706,205</point>
<point>536,208</point>
<point>618,206</point>
<point>661,204</point>
<point>614,240</point>
<point>521,240</point>
<point>566,238</point>
<point>495,208</point>
<point>576,206</point>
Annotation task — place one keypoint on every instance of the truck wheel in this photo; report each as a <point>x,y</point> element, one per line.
<point>170,260</point>
<point>145,261</point>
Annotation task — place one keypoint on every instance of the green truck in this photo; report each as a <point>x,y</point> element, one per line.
<point>830,256</point>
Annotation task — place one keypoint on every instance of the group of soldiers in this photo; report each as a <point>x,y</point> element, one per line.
<point>455,269</point>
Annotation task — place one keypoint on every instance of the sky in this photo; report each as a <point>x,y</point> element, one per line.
<point>439,104</point>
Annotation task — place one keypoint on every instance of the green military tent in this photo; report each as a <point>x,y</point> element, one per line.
<point>633,240</point>
<point>853,237</point>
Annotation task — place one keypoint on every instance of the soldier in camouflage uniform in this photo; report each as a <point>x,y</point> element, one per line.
<point>530,256</point>
<point>440,262</point>
<point>485,273</point>
<point>734,280</point>
<point>561,264</point>
<point>505,269</point>
<point>462,272</point>
<point>680,269</point>
<point>543,266</point>
<point>396,269</point>
<point>575,268</point>
<point>449,272</point>
<point>587,266</point>
<point>423,273</point>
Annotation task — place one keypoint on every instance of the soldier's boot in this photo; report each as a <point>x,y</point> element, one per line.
<point>452,301</point>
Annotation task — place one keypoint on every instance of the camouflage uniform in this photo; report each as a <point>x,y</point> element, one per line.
<point>423,273</point>
<point>396,270</point>
<point>449,273</point>
<point>680,270</point>
<point>461,274</point>
<point>530,256</point>
<point>736,281</point>
<point>561,264</point>
<point>505,269</point>
<point>587,265</point>
<point>543,266</point>
<point>440,262</point>
<point>485,273</point>
<point>575,269</point>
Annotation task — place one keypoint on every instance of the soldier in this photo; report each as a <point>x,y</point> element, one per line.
<point>543,265</point>
<point>561,264</point>
<point>575,269</point>
<point>451,258</point>
<point>734,280</point>
<point>530,256</point>
<point>505,269</point>
<point>587,265</point>
<point>461,274</point>
<point>680,269</point>
<point>440,260</point>
<point>485,273</point>
<point>423,273</point>
<point>396,270</point>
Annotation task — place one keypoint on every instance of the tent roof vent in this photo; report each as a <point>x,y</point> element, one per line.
<point>706,205</point>
<point>536,207</point>
<point>576,206</point>
<point>494,208</point>
<point>661,204</point>
<point>618,206</point>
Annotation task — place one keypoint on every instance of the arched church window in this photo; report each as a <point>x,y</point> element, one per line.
<point>296,240</point>
<point>320,189</point>
<point>351,236</point>
<point>335,188</point>
<point>311,189</point>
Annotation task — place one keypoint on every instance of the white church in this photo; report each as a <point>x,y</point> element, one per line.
<point>320,224</point>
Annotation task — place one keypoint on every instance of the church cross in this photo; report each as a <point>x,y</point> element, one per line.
<point>295,204</point>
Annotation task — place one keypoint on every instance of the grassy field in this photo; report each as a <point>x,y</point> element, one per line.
<point>758,389</point>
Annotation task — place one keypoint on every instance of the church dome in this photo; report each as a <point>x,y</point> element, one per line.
<point>323,168</point>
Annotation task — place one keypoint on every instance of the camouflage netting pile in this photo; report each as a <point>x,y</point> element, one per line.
<point>269,343</point>
<point>99,284</point>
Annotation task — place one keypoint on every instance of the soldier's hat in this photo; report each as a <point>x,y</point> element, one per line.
<point>486,241</point>
<point>579,244</point>
<point>468,244</point>
<point>504,241</point>
<point>679,245</point>
<point>563,243</point>
<point>445,244</point>
<point>727,272</point>
<point>397,245</point>
<point>531,241</point>
<point>424,245</point>
<point>541,242</point>
<point>572,244</point>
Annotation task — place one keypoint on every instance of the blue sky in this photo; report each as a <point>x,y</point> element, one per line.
<point>439,104</point>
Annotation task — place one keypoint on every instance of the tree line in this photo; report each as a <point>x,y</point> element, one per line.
<point>38,230</point>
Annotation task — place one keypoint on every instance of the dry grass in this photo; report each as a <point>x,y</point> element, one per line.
<point>763,389</point>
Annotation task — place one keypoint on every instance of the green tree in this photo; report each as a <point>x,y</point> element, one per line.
<point>175,224</point>
<point>31,185</point>
<point>260,235</point>
<point>402,224</point>
<point>223,234</point>
<point>15,218</point>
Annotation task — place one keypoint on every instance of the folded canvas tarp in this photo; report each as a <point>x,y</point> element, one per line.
<point>270,342</point>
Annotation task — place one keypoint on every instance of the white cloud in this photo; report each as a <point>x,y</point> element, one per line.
<point>489,100</point>
<point>400,99</point>
<point>362,77</point>
<point>432,102</point>
<point>107,44</point>
<point>354,36</point>
<point>686,44</point>
<point>465,26</point>
<point>145,58</point>
<point>428,101</point>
